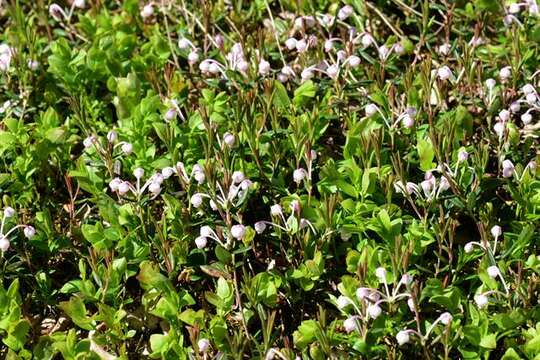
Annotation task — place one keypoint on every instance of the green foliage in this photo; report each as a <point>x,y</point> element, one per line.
<point>179,181</point>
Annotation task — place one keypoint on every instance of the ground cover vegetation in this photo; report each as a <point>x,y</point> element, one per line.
<point>269,179</point>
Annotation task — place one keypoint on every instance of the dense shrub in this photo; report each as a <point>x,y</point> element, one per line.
<point>269,179</point>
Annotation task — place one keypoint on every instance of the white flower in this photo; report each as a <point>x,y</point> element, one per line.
<point>327,20</point>
<point>343,302</point>
<point>237,50</point>
<point>229,139</point>
<point>496,231</point>
<point>493,271</point>
<point>9,212</point>
<point>196,200</point>
<point>504,115</point>
<point>57,12</point>
<point>411,188</point>
<point>350,324</point>
<point>290,43</point>
<point>508,168</point>
<point>264,67</point>
<point>505,73</point>
<point>79,3</point>
<point>123,188</point>
<point>526,118</point>
<point>184,43</point>
<point>403,337</point>
<point>446,318</point>
<point>328,45</point>
<point>490,83</point>
<point>213,68</point>
<point>515,107</point>
<point>444,73</point>
<point>138,173</point>
<point>242,66</point>
<point>301,45</point>
<point>444,49</point>
<point>531,99</point>
<point>444,184</point>
<point>238,231</point>
<point>332,71</point>
<point>5,61</point>
<point>341,55</point>
<point>410,304</point>
<point>238,177</point>
<point>154,187</point>
<point>295,206</point>
<point>206,231</point>
<point>112,136</point>
<point>383,52</point>
<point>245,184</point>
<point>362,293</point>
<point>89,141</point>
<point>427,186</point>
<point>201,242</point>
<point>299,175</point>
<point>307,74</point>
<point>407,121</point>
<point>528,89</point>
<point>514,8</point>
<point>353,61</point>
<point>406,279</point>
<point>345,12</point>
<point>170,114</point>
<point>204,66</point>
<point>33,64</point>
<point>127,148</point>
<point>167,172</point>
<point>371,109</point>
<point>4,244</point>
<point>147,11</point>
<point>374,311</point>
<point>463,156</point>
<point>499,128</point>
<point>199,177</point>
<point>203,345</point>
<point>399,187</point>
<point>398,48</point>
<point>193,57</point>
<point>481,300</point>
<point>380,272</point>
<point>276,210</point>
<point>468,247</point>
<point>367,40</point>
<point>114,183</point>
<point>29,231</point>
<point>260,226</point>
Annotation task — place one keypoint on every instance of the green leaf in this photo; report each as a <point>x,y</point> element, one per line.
<point>280,97</point>
<point>489,341</point>
<point>76,310</point>
<point>426,153</point>
<point>306,91</point>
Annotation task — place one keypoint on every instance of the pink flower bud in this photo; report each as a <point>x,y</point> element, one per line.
<point>505,73</point>
<point>493,271</point>
<point>203,345</point>
<point>238,231</point>
<point>29,231</point>
<point>127,148</point>
<point>4,244</point>
<point>201,242</point>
